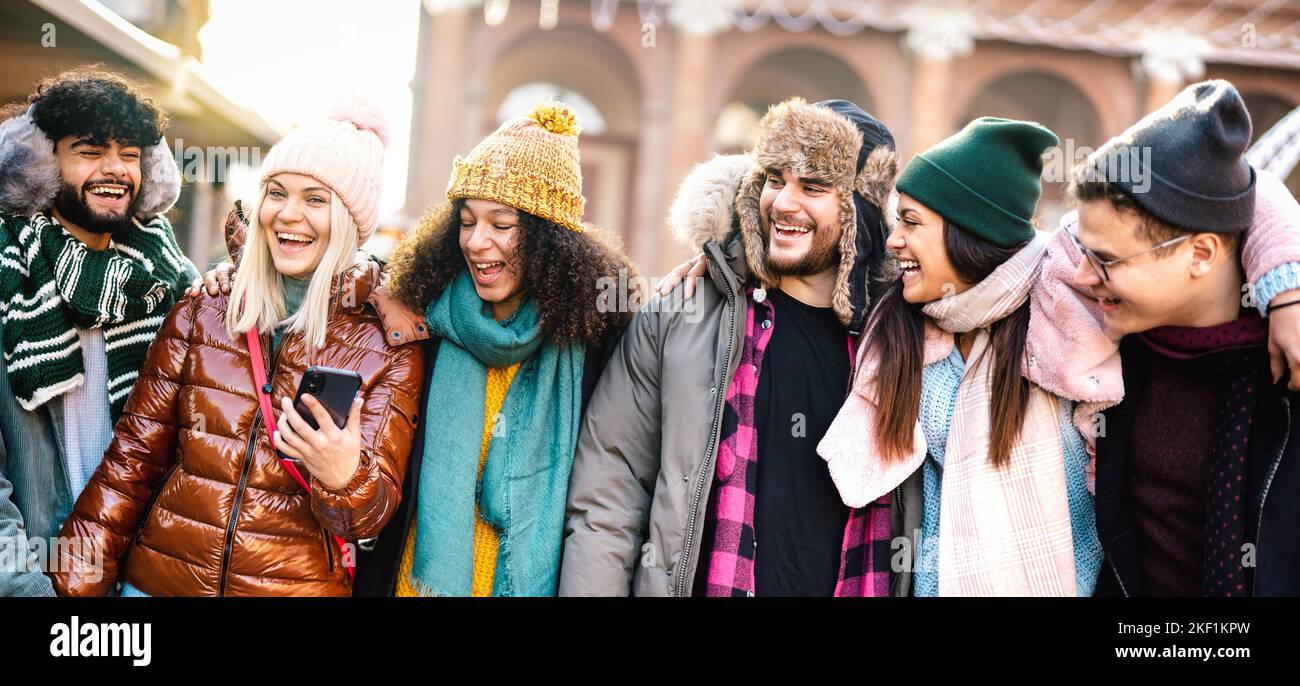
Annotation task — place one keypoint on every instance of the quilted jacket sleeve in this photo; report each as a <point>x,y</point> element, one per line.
<point>103,523</point>
<point>389,419</point>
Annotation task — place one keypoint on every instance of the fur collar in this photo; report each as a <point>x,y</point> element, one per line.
<point>705,202</point>
<point>29,172</point>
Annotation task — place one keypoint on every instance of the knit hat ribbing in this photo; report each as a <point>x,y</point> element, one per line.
<point>984,178</point>
<point>345,151</point>
<point>1185,162</point>
<point>530,163</point>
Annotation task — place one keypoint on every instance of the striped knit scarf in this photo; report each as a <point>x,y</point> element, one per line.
<point>51,284</point>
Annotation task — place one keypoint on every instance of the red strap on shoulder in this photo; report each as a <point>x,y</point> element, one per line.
<point>268,418</point>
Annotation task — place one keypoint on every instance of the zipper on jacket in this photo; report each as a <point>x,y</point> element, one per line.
<point>713,440</point>
<point>895,579</point>
<point>1122,589</point>
<point>1272,471</point>
<point>243,482</point>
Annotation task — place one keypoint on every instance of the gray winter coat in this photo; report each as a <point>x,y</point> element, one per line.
<point>646,455</point>
<point>645,459</point>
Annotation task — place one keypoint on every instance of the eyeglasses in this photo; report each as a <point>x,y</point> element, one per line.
<point>1102,267</point>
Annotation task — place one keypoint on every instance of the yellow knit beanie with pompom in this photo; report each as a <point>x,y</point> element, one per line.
<point>529,163</point>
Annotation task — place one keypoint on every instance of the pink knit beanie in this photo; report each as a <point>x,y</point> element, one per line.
<point>345,151</point>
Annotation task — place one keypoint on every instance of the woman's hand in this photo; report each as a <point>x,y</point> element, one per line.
<point>1284,339</point>
<point>216,281</point>
<point>690,272</point>
<point>331,454</point>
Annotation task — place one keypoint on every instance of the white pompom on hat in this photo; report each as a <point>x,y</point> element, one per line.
<point>344,151</point>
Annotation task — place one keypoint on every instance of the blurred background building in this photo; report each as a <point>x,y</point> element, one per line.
<point>662,86</point>
<point>156,43</point>
<point>658,86</point>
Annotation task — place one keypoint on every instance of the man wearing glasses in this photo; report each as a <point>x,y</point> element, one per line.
<point>1198,480</point>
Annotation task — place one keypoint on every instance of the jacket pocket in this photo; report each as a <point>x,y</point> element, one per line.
<point>153,504</point>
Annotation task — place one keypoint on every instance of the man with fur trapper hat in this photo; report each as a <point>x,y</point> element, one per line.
<point>700,441</point>
<point>88,270</point>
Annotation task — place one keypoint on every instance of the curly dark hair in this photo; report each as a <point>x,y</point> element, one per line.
<point>92,101</point>
<point>562,269</point>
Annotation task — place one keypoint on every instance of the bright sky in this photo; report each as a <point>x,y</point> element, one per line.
<point>290,60</point>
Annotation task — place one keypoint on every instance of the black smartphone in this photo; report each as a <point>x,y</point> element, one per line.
<point>334,388</point>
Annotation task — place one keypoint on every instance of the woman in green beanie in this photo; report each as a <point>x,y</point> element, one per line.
<point>949,414</point>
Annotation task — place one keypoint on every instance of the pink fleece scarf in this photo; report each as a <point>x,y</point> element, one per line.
<point>1004,531</point>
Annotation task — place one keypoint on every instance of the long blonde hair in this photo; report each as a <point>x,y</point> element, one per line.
<point>258,286</point>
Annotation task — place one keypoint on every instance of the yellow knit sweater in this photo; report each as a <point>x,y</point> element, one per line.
<point>485,539</point>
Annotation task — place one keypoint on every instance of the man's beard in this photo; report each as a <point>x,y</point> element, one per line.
<point>823,254</point>
<point>74,207</point>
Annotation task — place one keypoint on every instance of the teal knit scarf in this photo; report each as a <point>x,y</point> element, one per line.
<point>526,477</point>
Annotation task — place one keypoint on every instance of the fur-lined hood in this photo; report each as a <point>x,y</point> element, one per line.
<point>29,172</point>
<point>705,205</point>
<point>809,140</point>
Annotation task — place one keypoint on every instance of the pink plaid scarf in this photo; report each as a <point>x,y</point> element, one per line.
<point>731,561</point>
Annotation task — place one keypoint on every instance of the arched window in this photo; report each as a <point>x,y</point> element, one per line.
<point>520,101</point>
<point>811,74</point>
<point>1055,103</point>
<point>1266,110</point>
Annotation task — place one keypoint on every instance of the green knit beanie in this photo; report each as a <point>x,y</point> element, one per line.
<point>984,178</point>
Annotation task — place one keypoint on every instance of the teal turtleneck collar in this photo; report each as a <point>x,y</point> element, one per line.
<point>294,292</point>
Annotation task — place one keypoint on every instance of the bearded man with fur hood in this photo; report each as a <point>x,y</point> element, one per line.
<point>700,440</point>
<point>89,268</point>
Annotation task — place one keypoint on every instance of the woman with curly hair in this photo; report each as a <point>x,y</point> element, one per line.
<point>510,281</point>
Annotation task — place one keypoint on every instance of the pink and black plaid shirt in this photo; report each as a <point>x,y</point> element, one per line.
<point>864,563</point>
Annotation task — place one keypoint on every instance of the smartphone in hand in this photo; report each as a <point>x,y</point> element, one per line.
<point>334,388</point>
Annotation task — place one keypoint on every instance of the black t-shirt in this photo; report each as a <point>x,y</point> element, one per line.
<point>799,518</point>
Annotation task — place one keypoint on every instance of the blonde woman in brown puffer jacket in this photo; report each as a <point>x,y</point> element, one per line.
<point>191,498</point>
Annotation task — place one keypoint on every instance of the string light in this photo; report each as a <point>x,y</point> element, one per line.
<point>549,16</point>
<point>495,11</point>
<point>603,13</point>
<point>440,6</point>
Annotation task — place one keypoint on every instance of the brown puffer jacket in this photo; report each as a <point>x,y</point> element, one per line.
<point>190,499</point>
